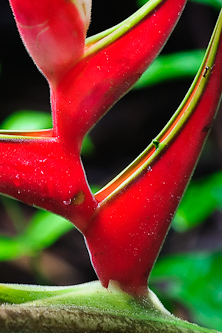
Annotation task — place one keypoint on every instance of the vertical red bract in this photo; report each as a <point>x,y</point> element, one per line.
<point>53,32</point>
<point>126,222</point>
<point>136,209</point>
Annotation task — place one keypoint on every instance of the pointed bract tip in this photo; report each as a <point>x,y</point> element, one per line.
<point>84,8</point>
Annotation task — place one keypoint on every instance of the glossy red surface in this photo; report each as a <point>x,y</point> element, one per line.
<point>124,232</point>
<point>43,173</point>
<point>98,81</point>
<point>53,33</point>
<point>126,235</point>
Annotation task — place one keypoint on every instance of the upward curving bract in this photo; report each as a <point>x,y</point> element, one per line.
<point>112,62</point>
<point>53,32</point>
<point>136,208</point>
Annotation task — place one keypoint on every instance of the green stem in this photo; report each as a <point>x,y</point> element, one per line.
<point>15,319</point>
<point>84,308</point>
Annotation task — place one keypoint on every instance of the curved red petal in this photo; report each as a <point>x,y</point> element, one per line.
<point>53,32</point>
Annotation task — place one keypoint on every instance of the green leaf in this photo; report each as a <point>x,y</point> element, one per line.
<point>15,212</point>
<point>10,248</point>
<point>170,67</point>
<point>27,120</point>
<point>43,230</point>
<point>214,3</point>
<point>88,147</point>
<point>194,280</point>
<point>201,199</point>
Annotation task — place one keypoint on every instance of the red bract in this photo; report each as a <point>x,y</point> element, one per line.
<point>112,62</point>
<point>126,222</point>
<point>136,209</point>
<point>54,32</point>
<point>41,172</point>
<point>79,97</point>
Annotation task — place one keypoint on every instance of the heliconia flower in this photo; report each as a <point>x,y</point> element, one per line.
<point>53,31</point>
<point>44,168</point>
<point>126,222</point>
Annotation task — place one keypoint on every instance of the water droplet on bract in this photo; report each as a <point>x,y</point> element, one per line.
<point>17,180</point>
<point>24,162</point>
<point>67,202</point>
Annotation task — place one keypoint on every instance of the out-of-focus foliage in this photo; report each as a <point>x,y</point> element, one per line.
<point>27,120</point>
<point>214,3</point>
<point>170,67</point>
<point>176,65</point>
<point>201,199</point>
<point>43,230</point>
<point>195,281</point>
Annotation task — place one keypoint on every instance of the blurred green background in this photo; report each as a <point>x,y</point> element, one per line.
<point>41,248</point>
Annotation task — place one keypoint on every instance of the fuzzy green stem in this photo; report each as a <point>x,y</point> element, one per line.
<point>84,308</point>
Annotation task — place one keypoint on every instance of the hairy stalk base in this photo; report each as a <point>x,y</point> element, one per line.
<point>85,308</point>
